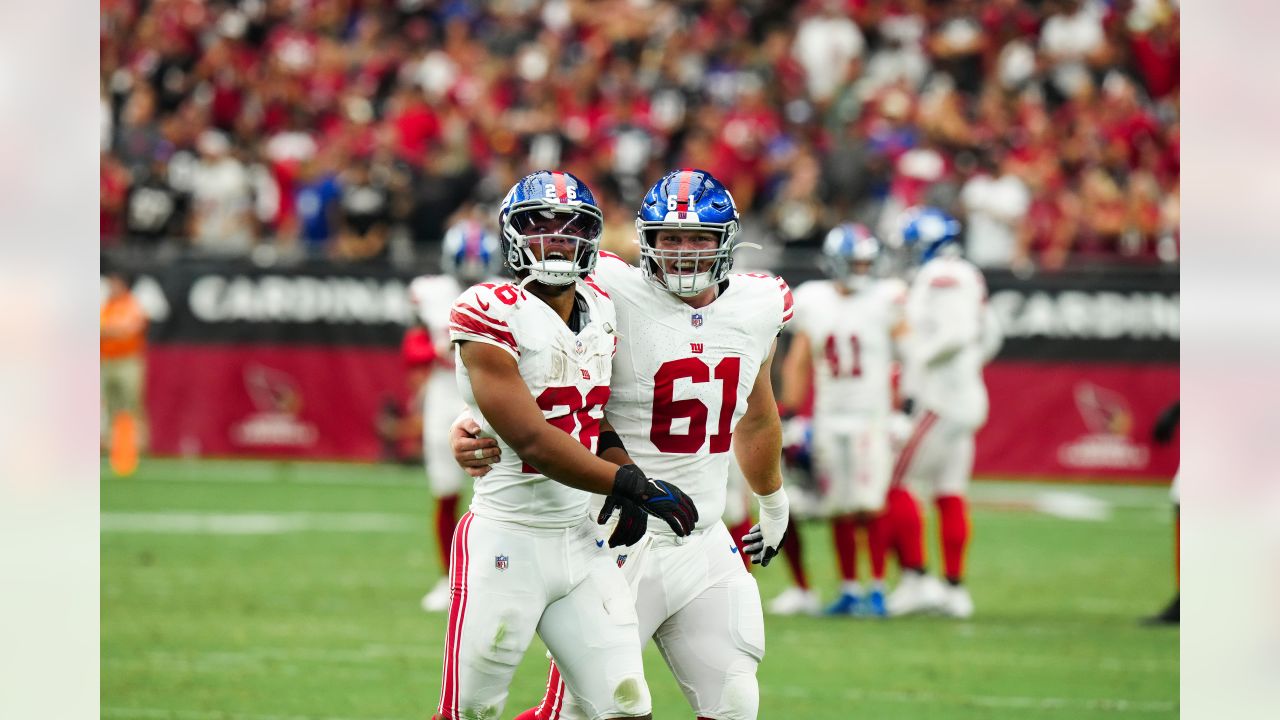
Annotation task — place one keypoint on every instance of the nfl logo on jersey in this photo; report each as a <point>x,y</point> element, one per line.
<point>501,562</point>
<point>696,320</point>
<point>621,559</point>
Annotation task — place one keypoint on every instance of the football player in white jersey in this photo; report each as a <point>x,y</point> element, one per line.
<point>691,382</point>
<point>952,335</point>
<point>534,360</point>
<point>469,255</point>
<point>843,338</point>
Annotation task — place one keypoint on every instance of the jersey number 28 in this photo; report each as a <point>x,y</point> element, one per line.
<point>582,421</point>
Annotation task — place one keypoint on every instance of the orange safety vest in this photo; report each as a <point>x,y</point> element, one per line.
<point>123,313</point>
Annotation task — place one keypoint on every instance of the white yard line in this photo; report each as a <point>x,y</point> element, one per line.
<point>188,523</point>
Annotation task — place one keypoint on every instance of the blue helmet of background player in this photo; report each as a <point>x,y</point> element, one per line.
<point>851,255</point>
<point>687,201</point>
<point>470,251</point>
<point>555,209</point>
<point>924,231</point>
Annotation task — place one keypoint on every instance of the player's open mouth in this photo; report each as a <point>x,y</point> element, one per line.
<point>684,266</point>
<point>555,256</point>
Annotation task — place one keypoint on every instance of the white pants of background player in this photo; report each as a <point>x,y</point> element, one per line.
<point>702,608</point>
<point>440,409</point>
<point>511,580</point>
<point>853,453</point>
<point>937,458</point>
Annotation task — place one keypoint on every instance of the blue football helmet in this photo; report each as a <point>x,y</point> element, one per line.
<point>925,231</point>
<point>691,201</point>
<point>470,251</point>
<point>851,255</point>
<point>556,210</point>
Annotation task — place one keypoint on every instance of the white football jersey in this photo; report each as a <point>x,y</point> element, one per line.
<point>433,297</point>
<point>567,374</point>
<point>682,375</point>
<point>851,340</point>
<point>947,348</point>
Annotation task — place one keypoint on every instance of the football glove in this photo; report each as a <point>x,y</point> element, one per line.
<point>764,539</point>
<point>633,521</point>
<point>1162,433</point>
<point>659,498</point>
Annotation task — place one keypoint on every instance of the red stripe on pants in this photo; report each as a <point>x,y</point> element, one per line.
<point>552,702</point>
<point>457,611</point>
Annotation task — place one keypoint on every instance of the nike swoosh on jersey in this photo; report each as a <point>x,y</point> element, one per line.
<point>483,305</point>
<point>599,543</point>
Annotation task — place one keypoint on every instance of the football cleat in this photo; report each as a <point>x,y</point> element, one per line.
<point>438,599</point>
<point>956,603</point>
<point>915,593</point>
<point>846,604</point>
<point>795,601</point>
<point>875,605</point>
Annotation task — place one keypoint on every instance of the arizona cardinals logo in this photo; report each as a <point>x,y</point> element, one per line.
<point>1104,411</point>
<point>272,390</point>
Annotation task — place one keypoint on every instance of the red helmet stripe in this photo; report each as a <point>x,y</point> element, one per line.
<point>560,186</point>
<point>682,190</point>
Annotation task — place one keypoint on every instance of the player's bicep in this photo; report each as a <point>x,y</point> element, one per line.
<point>501,393</point>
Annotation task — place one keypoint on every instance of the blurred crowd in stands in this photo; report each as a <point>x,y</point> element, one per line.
<point>356,130</point>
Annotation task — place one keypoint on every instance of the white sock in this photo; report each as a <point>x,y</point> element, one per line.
<point>877,586</point>
<point>851,587</point>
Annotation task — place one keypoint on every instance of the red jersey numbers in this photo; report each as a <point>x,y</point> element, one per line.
<point>838,368</point>
<point>506,293</point>
<point>666,409</point>
<point>580,417</point>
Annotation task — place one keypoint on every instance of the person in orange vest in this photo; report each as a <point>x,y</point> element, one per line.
<point>123,330</point>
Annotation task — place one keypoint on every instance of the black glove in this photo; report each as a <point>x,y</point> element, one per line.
<point>908,405</point>
<point>1162,433</point>
<point>659,498</point>
<point>632,522</point>
<point>753,545</point>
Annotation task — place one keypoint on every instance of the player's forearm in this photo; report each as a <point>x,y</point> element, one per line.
<point>757,443</point>
<point>560,457</point>
<point>610,446</point>
<point>795,388</point>
<point>796,373</point>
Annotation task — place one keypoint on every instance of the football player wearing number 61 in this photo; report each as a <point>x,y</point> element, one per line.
<point>690,383</point>
<point>534,364</point>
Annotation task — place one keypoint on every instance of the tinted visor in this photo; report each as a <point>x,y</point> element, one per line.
<point>548,222</point>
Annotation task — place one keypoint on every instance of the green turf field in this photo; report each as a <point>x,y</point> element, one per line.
<point>281,591</point>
